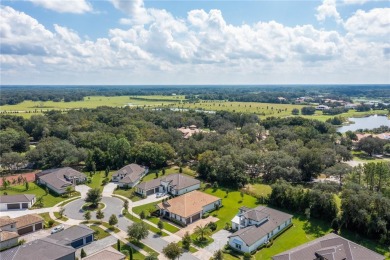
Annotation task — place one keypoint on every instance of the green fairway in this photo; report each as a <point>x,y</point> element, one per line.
<point>49,200</point>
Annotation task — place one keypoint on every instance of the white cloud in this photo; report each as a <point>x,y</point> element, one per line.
<point>134,8</point>
<point>354,2</point>
<point>199,48</point>
<point>328,10</point>
<point>65,6</point>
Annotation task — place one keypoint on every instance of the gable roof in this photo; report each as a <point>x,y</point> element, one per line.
<point>70,234</point>
<point>180,181</point>
<point>17,198</point>
<point>188,204</point>
<point>149,184</point>
<point>56,177</point>
<point>132,171</point>
<point>106,253</point>
<point>7,235</point>
<point>27,220</point>
<point>330,246</point>
<point>6,220</point>
<point>254,233</point>
<point>38,249</point>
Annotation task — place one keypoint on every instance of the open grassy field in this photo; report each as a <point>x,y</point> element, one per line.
<point>49,200</point>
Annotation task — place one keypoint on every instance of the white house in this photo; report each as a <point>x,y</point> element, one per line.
<point>20,201</point>
<point>256,227</point>
<point>175,184</point>
<point>130,175</point>
<point>322,107</point>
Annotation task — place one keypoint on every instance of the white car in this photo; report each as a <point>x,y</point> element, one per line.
<point>57,229</point>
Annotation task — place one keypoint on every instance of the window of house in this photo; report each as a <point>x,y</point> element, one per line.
<point>12,226</point>
<point>238,246</point>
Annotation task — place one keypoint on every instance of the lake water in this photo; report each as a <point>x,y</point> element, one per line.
<point>370,122</point>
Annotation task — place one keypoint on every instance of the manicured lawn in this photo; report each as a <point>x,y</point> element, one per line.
<point>201,243</point>
<point>111,228</point>
<point>144,247</point>
<point>363,157</point>
<point>100,233</point>
<point>57,215</point>
<point>258,189</point>
<point>192,249</point>
<point>136,255</point>
<point>97,178</point>
<point>89,207</point>
<point>128,193</point>
<point>155,220</point>
<point>151,228</point>
<point>66,202</point>
<point>49,200</point>
<point>46,217</point>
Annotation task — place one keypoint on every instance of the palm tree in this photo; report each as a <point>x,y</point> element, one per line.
<point>202,231</point>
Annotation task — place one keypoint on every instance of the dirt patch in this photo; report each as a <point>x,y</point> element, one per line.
<point>30,177</point>
<point>191,227</point>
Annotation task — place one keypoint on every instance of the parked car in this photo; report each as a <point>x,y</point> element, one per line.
<point>57,229</point>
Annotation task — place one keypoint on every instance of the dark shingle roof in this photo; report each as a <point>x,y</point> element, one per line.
<point>37,250</point>
<point>132,171</point>
<point>180,181</point>
<point>330,246</point>
<point>55,177</point>
<point>16,198</point>
<point>68,235</point>
<point>252,234</point>
<point>149,184</point>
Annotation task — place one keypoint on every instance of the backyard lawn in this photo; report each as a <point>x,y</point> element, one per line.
<point>49,200</point>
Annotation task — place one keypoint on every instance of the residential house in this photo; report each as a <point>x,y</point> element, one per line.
<point>322,107</point>
<point>187,132</point>
<point>189,207</point>
<point>40,249</point>
<point>256,227</point>
<point>175,184</point>
<point>8,233</point>
<point>58,180</point>
<point>107,253</point>
<point>28,223</point>
<point>20,201</point>
<point>130,175</point>
<point>74,236</point>
<point>330,246</point>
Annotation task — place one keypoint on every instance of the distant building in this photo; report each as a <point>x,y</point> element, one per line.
<point>188,132</point>
<point>58,180</point>
<point>322,107</point>
<point>350,105</point>
<point>256,227</point>
<point>130,175</point>
<point>330,246</point>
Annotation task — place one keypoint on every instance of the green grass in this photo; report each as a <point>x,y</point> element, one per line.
<point>363,157</point>
<point>155,220</point>
<point>136,255</point>
<point>111,228</point>
<point>88,207</point>
<point>192,249</point>
<point>66,202</point>
<point>101,233</point>
<point>128,193</point>
<point>259,190</point>
<point>46,217</point>
<point>57,215</point>
<point>49,200</point>
<point>151,228</point>
<point>201,243</point>
<point>97,178</point>
<point>143,246</point>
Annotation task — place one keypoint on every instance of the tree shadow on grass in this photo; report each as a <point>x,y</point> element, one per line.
<point>314,227</point>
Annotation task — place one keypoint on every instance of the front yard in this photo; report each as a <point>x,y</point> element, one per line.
<point>136,255</point>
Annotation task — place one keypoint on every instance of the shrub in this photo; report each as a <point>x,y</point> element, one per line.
<point>125,252</point>
<point>50,223</point>
<point>205,215</point>
<point>212,226</point>
<point>247,256</point>
<point>21,242</point>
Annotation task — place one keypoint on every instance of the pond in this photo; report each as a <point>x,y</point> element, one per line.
<point>369,122</point>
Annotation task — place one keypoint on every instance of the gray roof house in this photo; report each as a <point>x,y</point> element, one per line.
<point>130,175</point>
<point>19,201</point>
<point>58,179</point>
<point>107,253</point>
<point>39,249</point>
<point>74,236</point>
<point>175,184</point>
<point>256,227</point>
<point>330,246</point>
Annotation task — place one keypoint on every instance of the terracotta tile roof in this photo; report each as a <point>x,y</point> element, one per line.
<point>188,204</point>
<point>5,221</point>
<point>330,246</point>
<point>7,235</point>
<point>27,220</point>
<point>106,253</point>
<point>16,198</point>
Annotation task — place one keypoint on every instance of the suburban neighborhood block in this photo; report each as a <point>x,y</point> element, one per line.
<point>189,207</point>
<point>130,175</point>
<point>256,227</point>
<point>330,246</point>
<point>19,201</point>
<point>175,184</point>
<point>58,179</point>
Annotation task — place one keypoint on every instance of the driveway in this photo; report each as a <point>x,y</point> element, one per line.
<point>97,245</point>
<point>108,190</point>
<point>191,227</point>
<point>83,189</point>
<point>150,199</point>
<point>112,206</point>
<point>220,240</point>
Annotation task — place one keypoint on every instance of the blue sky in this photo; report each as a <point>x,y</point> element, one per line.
<point>194,42</point>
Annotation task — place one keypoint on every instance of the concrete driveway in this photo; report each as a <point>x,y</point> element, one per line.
<point>220,240</point>
<point>108,190</point>
<point>112,206</point>
<point>83,189</point>
<point>191,227</point>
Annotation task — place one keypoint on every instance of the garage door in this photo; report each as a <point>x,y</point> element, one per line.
<point>13,206</point>
<point>156,189</point>
<point>25,230</point>
<point>195,217</point>
<point>38,226</point>
<point>89,239</point>
<point>77,243</point>
<point>24,205</point>
<point>150,192</point>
